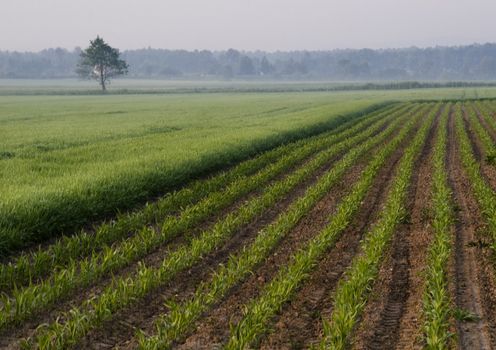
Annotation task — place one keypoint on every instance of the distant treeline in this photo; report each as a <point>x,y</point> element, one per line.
<point>462,63</point>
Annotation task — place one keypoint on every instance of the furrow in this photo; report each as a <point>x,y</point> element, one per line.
<point>299,325</point>
<point>391,317</point>
<point>473,285</point>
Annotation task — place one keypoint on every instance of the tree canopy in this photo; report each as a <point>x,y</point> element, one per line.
<point>473,62</point>
<point>101,62</point>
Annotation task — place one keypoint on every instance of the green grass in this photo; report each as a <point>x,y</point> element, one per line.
<point>70,160</point>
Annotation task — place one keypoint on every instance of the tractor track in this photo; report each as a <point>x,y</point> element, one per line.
<point>391,317</point>
<point>466,269</point>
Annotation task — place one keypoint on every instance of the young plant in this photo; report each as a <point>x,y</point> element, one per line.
<point>436,308</point>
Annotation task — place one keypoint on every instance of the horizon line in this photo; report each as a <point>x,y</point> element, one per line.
<point>265,51</point>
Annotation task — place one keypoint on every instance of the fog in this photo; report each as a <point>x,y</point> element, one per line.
<point>32,25</point>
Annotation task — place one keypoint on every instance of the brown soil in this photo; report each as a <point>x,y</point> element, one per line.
<point>468,270</point>
<point>391,317</point>
<point>214,328</point>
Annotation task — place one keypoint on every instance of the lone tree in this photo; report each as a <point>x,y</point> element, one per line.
<point>101,62</point>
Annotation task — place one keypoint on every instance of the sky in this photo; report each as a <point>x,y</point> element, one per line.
<point>271,25</point>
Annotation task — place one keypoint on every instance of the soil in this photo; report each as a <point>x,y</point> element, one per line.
<point>391,317</point>
<point>300,322</point>
<point>473,280</point>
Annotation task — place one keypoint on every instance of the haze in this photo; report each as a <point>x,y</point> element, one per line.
<point>32,25</point>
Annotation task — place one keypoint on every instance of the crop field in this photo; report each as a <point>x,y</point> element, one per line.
<point>68,160</point>
<point>274,221</point>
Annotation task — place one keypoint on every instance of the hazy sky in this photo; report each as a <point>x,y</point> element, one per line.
<point>31,25</point>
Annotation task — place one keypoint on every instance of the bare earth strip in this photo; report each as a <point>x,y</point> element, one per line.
<point>391,318</point>
<point>467,270</point>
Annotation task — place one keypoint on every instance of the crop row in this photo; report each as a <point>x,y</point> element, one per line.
<point>282,287</point>
<point>37,297</point>
<point>436,300</point>
<point>124,290</point>
<point>181,316</point>
<point>483,192</point>
<point>352,292</point>
<point>482,134</point>
<point>487,114</point>
<point>196,199</point>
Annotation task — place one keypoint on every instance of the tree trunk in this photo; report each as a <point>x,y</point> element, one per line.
<point>102,79</point>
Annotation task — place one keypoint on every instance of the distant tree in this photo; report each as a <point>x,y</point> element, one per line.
<point>440,63</point>
<point>246,66</point>
<point>232,56</point>
<point>266,67</point>
<point>294,67</point>
<point>487,67</point>
<point>101,62</point>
